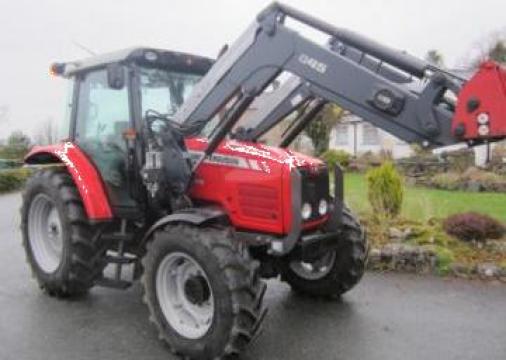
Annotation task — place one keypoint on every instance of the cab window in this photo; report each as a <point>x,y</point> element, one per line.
<point>63,123</point>
<point>102,112</point>
<point>102,116</point>
<point>165,91</point>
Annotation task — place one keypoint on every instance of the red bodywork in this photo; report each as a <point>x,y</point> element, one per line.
<point>84,173</point>
<point>255,186</point>
<point>487,89</point>
<point>250,181</point>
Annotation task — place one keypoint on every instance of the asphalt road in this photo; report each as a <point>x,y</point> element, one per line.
<point>385,317</point>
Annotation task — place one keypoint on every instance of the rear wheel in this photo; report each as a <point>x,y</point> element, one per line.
<point>203,295</point>
<point>335,272</point>
<point>57,237</point>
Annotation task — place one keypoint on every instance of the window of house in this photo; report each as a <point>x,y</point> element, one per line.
<point>342,134</point>
<point>370,135</point>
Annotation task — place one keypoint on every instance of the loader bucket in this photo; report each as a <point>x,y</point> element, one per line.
<point>481,107</point>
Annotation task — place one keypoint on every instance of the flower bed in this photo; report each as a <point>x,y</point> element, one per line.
<point>415,247</point>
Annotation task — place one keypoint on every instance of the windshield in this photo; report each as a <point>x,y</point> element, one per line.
<point>165,91</point>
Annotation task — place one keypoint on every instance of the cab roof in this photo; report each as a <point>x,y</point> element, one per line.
<point>151,57</point>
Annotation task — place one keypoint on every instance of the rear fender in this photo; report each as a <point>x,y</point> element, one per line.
<point>83,172</point>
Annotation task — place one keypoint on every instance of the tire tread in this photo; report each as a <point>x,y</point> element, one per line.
<point>86,259</point>
<point>244,284</point>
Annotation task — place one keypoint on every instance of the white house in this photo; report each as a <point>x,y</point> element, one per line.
<point>356,136</point>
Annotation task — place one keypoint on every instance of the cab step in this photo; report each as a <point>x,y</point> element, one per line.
<point>113,283</point>
<point>123,260</point>
<point>118,237</point>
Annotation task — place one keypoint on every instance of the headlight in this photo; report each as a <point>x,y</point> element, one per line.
<point>306,211</point>
<point>323,207</point>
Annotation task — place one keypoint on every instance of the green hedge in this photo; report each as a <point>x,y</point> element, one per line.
<point>14,179</point>
<point>10,164</point>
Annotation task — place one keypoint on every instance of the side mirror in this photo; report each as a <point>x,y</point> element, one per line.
<point>115,76</point>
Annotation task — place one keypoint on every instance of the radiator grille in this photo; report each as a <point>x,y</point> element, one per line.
<point>259,201</point>
<point>315,186</point>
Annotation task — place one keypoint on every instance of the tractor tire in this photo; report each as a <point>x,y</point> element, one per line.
<point>339,270</point>
<point>203,295</point>
<point>57,236</point>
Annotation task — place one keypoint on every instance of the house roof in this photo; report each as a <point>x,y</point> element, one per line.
<point>349,117</point>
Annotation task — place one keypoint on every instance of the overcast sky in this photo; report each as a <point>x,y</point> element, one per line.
<point>34,33</point>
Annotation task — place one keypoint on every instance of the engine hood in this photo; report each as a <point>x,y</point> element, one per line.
<point>251,181</point>
<point>256,151</point>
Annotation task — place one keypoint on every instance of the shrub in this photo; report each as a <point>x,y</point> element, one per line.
<point>9,164</point>
<point>473,226</point>
<point>444,259</point>
<point>369,158</point>
<point>331,157</point>
<point>472,179</point>
<point>426,164</point>
<point>385,190</point>
<point>11,180</point>
<point>447,181</point>
<point>498,159</point>
<point>486,180</point>
<point>460,160</point>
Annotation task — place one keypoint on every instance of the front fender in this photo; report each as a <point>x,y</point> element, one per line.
<point>194,216</point>
<point>83,172</point>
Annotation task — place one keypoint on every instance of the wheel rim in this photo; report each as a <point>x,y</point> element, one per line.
<point>314,270</point>
<point>185,295</point>
<point>45,233</point>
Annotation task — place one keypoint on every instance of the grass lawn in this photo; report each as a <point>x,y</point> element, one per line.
<point>421,203</point>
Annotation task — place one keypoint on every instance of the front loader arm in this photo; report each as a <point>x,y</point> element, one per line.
<point>292,95</point>
<point>295,94</point>
<point>331,74</point>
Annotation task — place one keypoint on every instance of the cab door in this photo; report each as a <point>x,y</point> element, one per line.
<point>102,115</point>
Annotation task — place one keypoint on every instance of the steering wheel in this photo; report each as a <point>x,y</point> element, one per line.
<point>153,116</point>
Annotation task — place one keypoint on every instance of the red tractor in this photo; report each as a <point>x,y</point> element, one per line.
<point>154,173</point>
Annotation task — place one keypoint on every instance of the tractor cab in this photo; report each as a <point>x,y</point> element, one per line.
<point>112,96</point>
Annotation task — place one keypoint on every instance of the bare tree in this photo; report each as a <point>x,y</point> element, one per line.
<point>46,133</point>
<point>491,47</point>
<point>4,120</point>
<point>435,57</point>
<point>498,52</point>
<point>319,129</point>
<point>18,139</point>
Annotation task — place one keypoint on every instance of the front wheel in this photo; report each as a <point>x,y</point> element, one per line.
<point>204,296</point>
<point>334,272</point>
